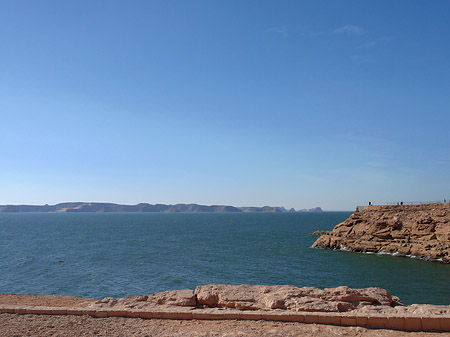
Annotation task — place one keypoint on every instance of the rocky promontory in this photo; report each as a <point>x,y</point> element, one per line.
<point>421,231</point>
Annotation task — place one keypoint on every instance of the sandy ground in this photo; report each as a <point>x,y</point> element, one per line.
<point>44,300</point>
<point>55,325</point>
<point>43,325</point>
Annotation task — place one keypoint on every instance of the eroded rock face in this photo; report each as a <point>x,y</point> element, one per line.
<point>248,297</point>
<point>407,230</point>
<point>180,298</point>
<point>252,297</point>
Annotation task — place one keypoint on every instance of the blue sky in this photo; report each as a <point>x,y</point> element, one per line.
<point>283,103</point>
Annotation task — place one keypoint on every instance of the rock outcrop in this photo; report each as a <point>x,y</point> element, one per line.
<point>249,297</point>
<point>179,298</point>
<point>266,298</point>
<point>421,231</point>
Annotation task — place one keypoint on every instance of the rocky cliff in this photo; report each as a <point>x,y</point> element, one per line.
<point>421,231</point>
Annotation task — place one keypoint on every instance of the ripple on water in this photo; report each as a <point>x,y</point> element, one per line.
<point>125,254</point>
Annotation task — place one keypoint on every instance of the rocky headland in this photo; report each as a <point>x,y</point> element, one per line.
<point>421,231</point>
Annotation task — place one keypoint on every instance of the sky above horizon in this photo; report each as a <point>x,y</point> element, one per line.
<point>246,103</point>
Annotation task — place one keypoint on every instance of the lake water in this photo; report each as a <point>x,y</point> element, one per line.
<point>121,254</point>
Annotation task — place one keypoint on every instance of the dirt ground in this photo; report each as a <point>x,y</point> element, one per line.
<point>12,325</point>
<point>54,325</point>
<point>45,300</point>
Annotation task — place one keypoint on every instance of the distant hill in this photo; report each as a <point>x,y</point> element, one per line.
<point>315,209</point>
<point>71,207</point>
<point>267,209</point>
<point>98,207</point>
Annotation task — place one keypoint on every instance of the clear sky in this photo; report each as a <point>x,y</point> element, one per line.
<point>246,103</point>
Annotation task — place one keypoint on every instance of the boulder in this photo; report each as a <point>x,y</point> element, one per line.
<point>182,298</point>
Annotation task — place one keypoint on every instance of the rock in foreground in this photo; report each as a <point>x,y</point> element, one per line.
<point>248,297</point>
<point>252,297</point>
<point>421,231</point>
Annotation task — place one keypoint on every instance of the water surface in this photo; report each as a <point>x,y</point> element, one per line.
<point>121,254</point>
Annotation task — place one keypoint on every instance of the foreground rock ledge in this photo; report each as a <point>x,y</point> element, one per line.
<point>370,307</point>
<point>421,231</point>
<point>255,297</point>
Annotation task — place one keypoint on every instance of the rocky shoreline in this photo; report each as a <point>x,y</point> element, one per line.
<point>421,231</point>
<point>372,308</point>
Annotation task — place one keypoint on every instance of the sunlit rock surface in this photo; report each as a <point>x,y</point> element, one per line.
<point>421,231</point>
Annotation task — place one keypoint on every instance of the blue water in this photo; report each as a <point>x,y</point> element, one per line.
<point>121,254</point>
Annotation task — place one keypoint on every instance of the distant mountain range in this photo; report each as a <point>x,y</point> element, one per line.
<point>98,207</point>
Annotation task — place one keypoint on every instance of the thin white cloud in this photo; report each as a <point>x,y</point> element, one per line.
<point>282,30</point>
<point>350,30</point>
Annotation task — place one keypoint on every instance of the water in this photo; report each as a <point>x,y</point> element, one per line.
<point>121,254</point>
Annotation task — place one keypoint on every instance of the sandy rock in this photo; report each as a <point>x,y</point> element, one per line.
<point>249,297</point>
<point>418,230</point>
<point>256,297</point>
<point>420,310</point>
<point>183,298</point>
<point>320,232</point>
